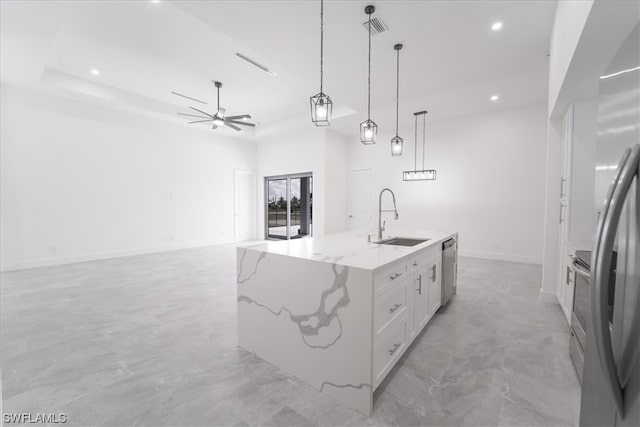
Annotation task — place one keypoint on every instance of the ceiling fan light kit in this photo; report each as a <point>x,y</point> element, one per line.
<point>321,105</point>
<point>368,128</point>
<point>423,174</point>
<point>219,118</point>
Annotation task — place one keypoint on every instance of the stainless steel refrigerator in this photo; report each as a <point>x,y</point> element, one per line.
<point>611,375</point>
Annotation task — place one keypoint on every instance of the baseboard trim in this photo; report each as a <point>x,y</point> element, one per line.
<point>547,297</point>
<point>49,262</point>
<point>502,257</point>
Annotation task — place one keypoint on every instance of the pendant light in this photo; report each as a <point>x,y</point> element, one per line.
<point>423,174</point>
<point>396,141</point>
<point>368,128</point>
<point>321,105</point>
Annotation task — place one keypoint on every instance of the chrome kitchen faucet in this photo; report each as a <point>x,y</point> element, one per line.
<point>381,225</point>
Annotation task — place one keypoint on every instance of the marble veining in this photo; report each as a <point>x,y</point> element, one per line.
<point>311,325</point>
<point>325,383</point>
<point>150,340</point>
<point>241,266</point>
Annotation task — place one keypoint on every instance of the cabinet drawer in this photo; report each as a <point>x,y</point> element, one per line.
<point>389,306</point>
<point>389,276</point>
<point>387,352</point>
<point>423,258</point>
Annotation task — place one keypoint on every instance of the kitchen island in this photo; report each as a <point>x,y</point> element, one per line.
<point>338,311</point>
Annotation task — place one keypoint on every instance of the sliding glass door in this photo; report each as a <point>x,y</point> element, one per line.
<point>289,206</point>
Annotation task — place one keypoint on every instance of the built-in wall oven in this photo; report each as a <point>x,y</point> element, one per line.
<point>582,305</point>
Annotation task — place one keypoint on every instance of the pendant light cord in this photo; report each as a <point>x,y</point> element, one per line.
<point>321,42</point>
<point>397,87</point>
<point>369,76</point>
<point>218,98</point>
<point>424,135</point>
<point>415,156</point>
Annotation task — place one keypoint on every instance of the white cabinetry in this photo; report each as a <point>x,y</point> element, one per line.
<point>577,212</point>
<point>407,296</point>
<point>435,285</point>
<point>422,313</point>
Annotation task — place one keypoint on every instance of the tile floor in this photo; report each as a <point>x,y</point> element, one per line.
<point>151,340</point>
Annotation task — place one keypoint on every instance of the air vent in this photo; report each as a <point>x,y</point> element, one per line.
<point>377,26</point>
<point>257,64</point>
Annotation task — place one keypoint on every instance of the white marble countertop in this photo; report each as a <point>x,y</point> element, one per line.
<point>351,248</point>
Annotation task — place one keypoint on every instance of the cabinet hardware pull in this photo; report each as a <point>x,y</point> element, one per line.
<point>395,348</point>
<point>394,308</point>
<point>415,263</point>
<point>394,276</point>
<point>433,275</point>
<point>420,284</point>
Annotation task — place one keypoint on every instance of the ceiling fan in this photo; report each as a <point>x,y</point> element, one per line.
<point>219,117</point>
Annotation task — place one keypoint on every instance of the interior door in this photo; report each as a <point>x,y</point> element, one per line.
<point>360,199</point>
<point>244,205</point>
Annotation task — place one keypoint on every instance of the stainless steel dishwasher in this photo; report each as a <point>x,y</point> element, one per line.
<point>449,269</point>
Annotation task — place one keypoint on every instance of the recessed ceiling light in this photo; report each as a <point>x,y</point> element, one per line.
<point>155,1</point>
<point>95,72</point>
<point>496,26</point>
<point>494,97</point>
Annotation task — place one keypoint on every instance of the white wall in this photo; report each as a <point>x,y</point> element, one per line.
<point>82,182</point>
<point>307,148</point>
<point>490,181</point>
<point>298,150</point>
<point>570,19</point>
<point>336,157</point>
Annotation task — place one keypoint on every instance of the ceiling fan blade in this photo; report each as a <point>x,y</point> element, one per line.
<point>215,126</point>
<point>232,126</point>
<point>241,123</point>
<point>188,97</point>
<point>201,121</point>
<point>200,111</point>
<point>243,116</point>
<point>192,115</point>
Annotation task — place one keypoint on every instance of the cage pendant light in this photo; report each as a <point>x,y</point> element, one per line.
<point>396,141</point>
<point>368,128</point>
<point>321,105</point>
<point>423,174</point>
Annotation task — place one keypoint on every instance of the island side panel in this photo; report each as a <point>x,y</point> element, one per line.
<point>311,319</point>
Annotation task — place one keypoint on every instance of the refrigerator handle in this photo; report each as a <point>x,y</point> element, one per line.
<point>607,228</point>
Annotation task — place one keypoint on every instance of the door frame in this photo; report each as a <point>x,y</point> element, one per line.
<point>288,177</point>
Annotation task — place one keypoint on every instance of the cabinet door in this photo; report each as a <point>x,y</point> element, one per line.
<point>435,286</point>
<point>421,300</point>
<point>567,154</point>
<point>569,286</point>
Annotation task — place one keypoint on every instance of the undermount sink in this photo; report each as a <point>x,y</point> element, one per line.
<point>401,241</point>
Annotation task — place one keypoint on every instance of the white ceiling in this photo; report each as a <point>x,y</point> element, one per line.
<point>451,63</point>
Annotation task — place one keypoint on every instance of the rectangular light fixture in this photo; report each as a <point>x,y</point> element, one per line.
<point>423,175</point>
<point>257,64</point>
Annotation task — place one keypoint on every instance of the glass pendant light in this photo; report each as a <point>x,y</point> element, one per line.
<point>368,128</point>
<point>415,174</point>
<point>396,141</point>
<point>321,105</point>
